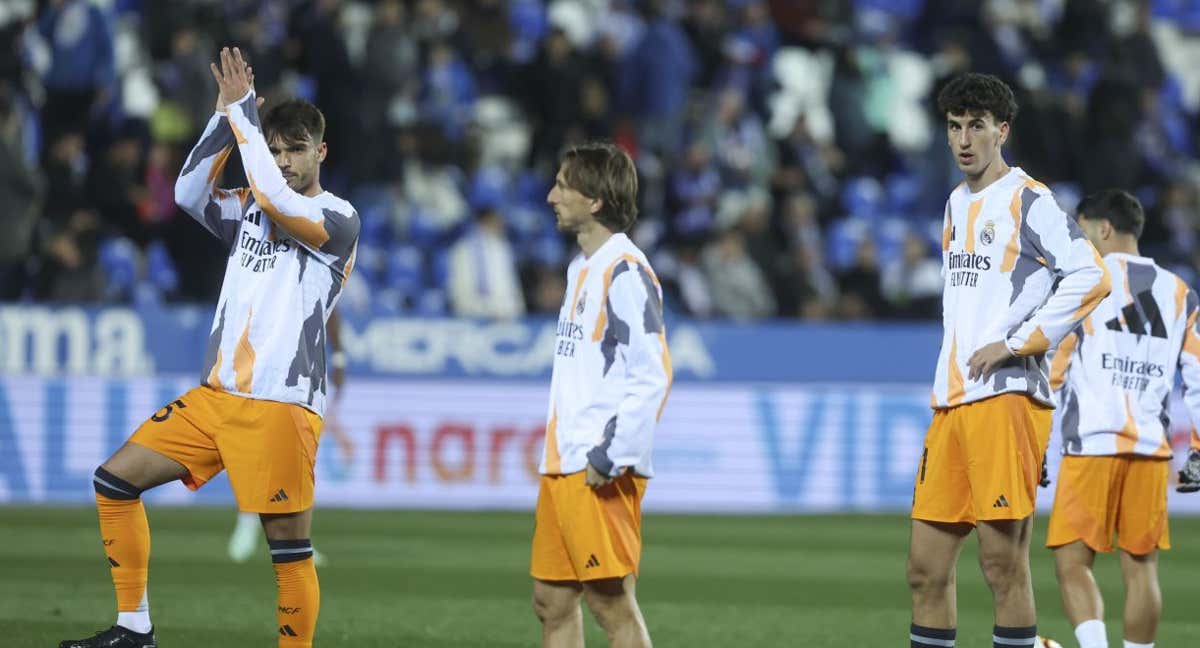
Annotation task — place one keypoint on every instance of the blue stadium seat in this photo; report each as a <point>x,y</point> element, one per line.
<point>863,197</point>
<point>405,270</point>
<point>844,237</point>
<point>160,268</point>
<point>119,260</point>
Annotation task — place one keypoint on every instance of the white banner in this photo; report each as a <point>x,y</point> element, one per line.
<point>475,445</point>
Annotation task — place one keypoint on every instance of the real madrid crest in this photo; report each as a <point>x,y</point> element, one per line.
<point>988,234</point>
<point>582,303</point>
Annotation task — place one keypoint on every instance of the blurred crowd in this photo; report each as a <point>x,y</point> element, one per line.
<point>791,160</point>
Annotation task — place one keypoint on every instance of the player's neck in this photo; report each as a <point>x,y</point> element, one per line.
<point>996,170</point>
<point>1123,247</point>
<point>591,237</point>
<point>314,189</point>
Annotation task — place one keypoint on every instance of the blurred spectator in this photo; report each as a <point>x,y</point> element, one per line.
<point>555,93</point>
<point>81,72</point>
<point>390,69</point>
<point>656,78</point>
<point>116,185</point>
<point>744,154</point>
<point>21,189</point>
<point>769,136</point>
<point>483,278</point>
<point>739,289</point>
<point>859,285</point>
<point>549,286</point>
<point>912,284</point>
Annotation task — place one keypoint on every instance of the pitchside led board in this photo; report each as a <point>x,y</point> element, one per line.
<point>451,413</point>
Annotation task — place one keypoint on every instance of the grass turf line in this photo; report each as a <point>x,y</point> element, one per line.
<point>434,579</point>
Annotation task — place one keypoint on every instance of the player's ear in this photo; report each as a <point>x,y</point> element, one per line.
<point>597,205</point>
<point>322,151</point>
<point>1004,130</point>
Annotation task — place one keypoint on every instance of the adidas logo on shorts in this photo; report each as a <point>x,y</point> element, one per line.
<point>1001,502</point>
<point>286,631</point>
<point>279,497</point>
<point>592,561</point>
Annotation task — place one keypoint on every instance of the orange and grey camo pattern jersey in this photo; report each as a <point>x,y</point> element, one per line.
<point>1114,373</point>
<point>289,256</point>
<point>1003,249</point>
<point>612,369</point>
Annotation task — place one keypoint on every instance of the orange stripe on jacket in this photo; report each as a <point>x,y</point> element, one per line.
<point>666,362</point>
<point>553,459</point>
<point>602,320</point>
<point>1014,244</point>
<point>219,164</point>
<point>972,215</point>
<point>243,359</point>
<point>955,390</point>
<point>1127,437</point>
<point>1062,360</point>
<point>214,378</point>
<point>1037,343</point>
<point>1098,292</point>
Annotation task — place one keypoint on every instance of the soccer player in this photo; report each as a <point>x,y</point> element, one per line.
<point>612,372</point>
<point>244,540</point>
<point>257,412</point>
<point>1115,373</point>
<point>1004,244</point>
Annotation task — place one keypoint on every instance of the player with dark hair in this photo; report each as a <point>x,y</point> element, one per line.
<point>612,372</point>
<point>1115,372</point>
<point>257,413</point>
<point>1005,243</point>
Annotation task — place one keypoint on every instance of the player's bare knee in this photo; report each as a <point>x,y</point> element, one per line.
<point>613,607</point>
<point>554,607</point>
<point>924,577</point>
<point>287,526</point>
<point>1003,569</point>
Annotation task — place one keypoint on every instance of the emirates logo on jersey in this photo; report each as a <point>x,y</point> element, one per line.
<point>988,234</point>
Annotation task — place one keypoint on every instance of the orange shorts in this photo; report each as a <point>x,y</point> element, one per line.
<point>268,447</point>
<point>582,534</point>
<point>982,461</point>
<point>1099,495</point>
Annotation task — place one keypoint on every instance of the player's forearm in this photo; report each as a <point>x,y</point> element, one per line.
<point>1080,291</point>
<point>194,186</point>
<point>286,208</point>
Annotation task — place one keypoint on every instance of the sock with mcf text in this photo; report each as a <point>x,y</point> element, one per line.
<point>299,592</point>
<point>126,536</point>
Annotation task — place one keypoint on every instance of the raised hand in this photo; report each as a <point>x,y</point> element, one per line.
<point>234,77</point>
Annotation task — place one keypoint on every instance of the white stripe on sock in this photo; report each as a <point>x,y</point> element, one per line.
<point>946,643</point>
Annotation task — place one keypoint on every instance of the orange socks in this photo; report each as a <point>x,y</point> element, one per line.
<point>126,536</point>
<point>299,591</point>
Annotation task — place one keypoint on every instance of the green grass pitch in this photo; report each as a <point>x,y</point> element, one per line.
<point>429,579</point>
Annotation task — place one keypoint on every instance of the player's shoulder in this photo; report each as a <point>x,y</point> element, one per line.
<point>331,201</point>
<point>1036,197</point>
<point>629,253</point>
<point>1026,181</point>
<point>1171,281</point>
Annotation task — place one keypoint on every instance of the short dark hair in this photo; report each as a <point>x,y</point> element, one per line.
<point>603,171</point>
<point>974,93</point>
<point>294,120</point>
<point>1115,206</point>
